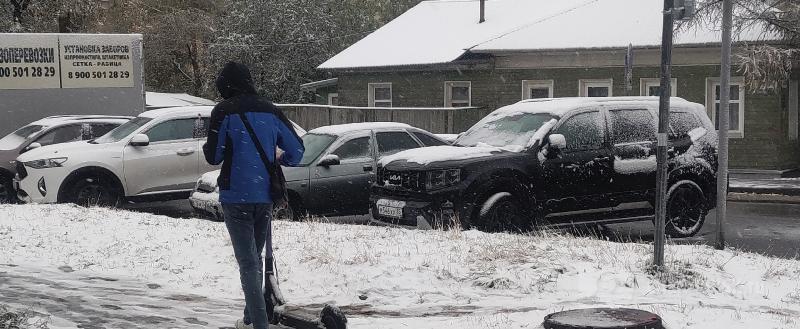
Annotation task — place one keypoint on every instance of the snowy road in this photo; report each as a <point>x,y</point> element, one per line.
<point>73,299</point>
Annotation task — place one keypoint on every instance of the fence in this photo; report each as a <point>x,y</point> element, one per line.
<point>435,120</point>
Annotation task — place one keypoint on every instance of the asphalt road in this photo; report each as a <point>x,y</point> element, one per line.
<point>768,228</point>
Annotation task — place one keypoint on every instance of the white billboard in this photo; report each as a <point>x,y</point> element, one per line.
<point>29,61</point>
<point>46,61</point>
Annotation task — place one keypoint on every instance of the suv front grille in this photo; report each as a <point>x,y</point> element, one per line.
<point>21,171</point>
<point>410,180</point>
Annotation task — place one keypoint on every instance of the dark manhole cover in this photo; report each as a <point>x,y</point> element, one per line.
<point>603,318</point>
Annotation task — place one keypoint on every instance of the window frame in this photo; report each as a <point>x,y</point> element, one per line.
<point>585,84</point>
<point>527,85</point>
<point>448,92</point>
<point>711,86</point>
<point>371,94</point>
<point>646,83</point>
<point>330,99</point>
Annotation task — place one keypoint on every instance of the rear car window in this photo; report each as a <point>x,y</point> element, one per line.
<point>395,141</point>
<point>428,140</point>
<point>682,123</point>
<point>632,126</point>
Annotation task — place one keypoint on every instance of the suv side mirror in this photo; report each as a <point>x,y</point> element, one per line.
<point>557,141</point>
<point>140,140</point>
<point>329,160</point>
<point>31,146</point>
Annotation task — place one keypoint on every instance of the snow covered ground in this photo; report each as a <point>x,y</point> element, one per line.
<point>397,278</point>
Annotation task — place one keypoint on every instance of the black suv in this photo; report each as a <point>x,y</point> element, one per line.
<point>555,162</point>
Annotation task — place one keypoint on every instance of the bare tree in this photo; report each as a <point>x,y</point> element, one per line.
<point>767,66</point>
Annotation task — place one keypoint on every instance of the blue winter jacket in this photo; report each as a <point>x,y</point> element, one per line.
<point>244,178</point>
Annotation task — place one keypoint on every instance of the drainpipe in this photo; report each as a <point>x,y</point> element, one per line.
<point>483,11</point>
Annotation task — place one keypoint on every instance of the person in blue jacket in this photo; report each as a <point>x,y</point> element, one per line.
<point>244,181</point>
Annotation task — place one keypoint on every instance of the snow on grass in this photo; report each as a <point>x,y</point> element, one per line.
<point>394,278</point>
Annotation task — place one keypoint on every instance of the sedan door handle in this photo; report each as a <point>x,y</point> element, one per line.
<point>368,168</point>
<point>185,152</point>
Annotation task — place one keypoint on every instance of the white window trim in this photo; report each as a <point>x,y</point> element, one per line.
<point>794,109</point>
<point>527,85</point>
<point>448,91</point>
<point>331,96</point>
<point>371,93</point>
<point>584,84</point>
<point>711,84</point>
<point>646,83</point>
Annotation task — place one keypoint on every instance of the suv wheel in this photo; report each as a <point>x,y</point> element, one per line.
<point>686,209</point>
<point>7,194</point>
<point>94,191</point>
<point>502,211</point>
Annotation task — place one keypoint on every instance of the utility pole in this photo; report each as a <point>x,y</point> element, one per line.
<point>663,124</point>
<point>724,104</point>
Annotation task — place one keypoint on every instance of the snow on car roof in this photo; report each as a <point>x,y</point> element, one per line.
<point>63,119</point>
<point>154,100</point>
<point>561,106</point>
<point>436,32</point>
<point>342,129</point>
<point>178,111</point>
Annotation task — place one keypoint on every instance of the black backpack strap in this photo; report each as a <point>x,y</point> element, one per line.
<point>259,147</point>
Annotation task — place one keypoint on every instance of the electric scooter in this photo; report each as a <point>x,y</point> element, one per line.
<point>282,315</point>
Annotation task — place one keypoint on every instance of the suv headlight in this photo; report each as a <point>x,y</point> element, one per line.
<point>45,163</point>
<point>442,178</point>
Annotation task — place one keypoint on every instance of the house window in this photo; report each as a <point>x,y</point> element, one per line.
<point>333,99</point>
<point>652,87</point>
<point>380,94</point>
<point>537,89</point>
<point>596,87</point>
<point>457,94</point>
<point>736,110</point>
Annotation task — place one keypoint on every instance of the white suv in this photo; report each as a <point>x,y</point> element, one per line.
<point>155,156</point>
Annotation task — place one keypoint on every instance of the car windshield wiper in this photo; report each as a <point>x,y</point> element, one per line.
<point>92,141</point>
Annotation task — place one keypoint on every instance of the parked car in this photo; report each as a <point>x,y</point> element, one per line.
<point>44,132</point>
<point>555,161</point>
<point>153,156</point>
<point>336,171</point>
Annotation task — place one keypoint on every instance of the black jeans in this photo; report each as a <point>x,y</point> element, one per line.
<point>250,228</point>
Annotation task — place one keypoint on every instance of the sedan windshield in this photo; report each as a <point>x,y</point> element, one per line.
<point>122,131</point>
<point>507,130</point>
<point>315,144</point>
<point>15,139</point>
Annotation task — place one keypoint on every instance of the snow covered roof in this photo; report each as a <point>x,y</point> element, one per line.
<point>155,100</point>
<point>178,111</point>
<point>441,31</point>
<point>338,130</point>
<point>319,84</point>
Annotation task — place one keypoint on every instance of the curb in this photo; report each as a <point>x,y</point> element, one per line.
<point>759,190</point>
<point>763,198</point>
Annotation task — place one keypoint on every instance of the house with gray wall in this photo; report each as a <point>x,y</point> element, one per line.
<point>452,54</point>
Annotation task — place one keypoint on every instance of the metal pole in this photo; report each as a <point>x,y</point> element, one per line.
<point>663,124</point>
<point>724,105</point>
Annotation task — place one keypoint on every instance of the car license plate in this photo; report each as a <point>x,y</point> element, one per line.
<point>390,208</point>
